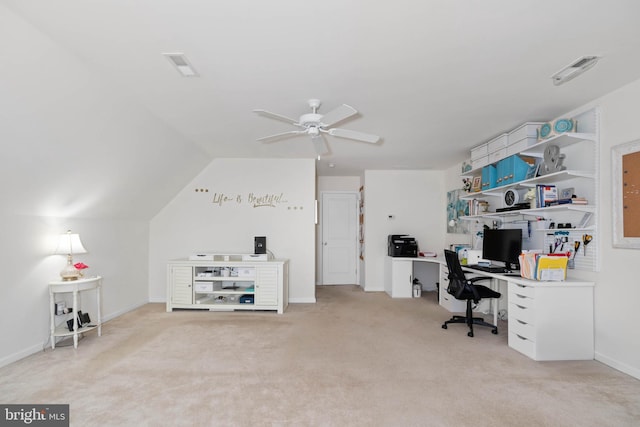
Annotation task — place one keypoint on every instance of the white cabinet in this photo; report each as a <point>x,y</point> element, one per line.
<point>551,320</point>
<point>398,277</point>
<point>228,285</point>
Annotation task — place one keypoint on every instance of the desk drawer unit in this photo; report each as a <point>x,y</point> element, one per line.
<point>447,300</point>
<point>552,320</point>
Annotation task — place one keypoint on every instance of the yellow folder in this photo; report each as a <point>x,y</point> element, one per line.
<point>551,268</point>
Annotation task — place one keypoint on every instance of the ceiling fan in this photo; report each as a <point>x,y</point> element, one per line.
<point>316,125</point>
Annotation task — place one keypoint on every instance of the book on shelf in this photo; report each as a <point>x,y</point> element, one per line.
<point>546,195</point>
<point>571,201</point>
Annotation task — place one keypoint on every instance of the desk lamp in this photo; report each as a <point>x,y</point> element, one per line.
<point>69,244</point>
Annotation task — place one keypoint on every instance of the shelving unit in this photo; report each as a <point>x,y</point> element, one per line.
<point>227,285</point>
<point>580,150</point>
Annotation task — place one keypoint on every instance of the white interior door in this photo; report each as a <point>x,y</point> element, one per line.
<point>339,238</point>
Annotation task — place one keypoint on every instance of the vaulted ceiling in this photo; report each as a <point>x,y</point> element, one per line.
<point>433,78</point>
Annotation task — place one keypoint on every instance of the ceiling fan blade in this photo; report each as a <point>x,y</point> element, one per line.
<point>279,136</point>
<point>337,115</point>
<point>351,134</point>
<point>320,145</point>
<point>277,117</point>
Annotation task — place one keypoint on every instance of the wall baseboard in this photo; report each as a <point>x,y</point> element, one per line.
<point>41,347</point>
<point>123,311</point>
<point>302,300</point>
<point>617,365</point>
<point>7,360</point>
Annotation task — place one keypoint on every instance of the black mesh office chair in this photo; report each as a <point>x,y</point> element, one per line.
<point>466,289</point>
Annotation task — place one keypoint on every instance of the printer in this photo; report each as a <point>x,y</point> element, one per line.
<point>401,245</point>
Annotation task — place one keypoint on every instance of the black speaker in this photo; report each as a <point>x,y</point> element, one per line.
<point>260,245</point>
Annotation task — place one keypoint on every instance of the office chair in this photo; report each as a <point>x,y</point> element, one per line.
<point>466,289</point>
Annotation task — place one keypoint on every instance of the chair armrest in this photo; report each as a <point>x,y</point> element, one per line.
<point>478,278</point>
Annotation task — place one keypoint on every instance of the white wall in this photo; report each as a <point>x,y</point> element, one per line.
<point>76,153</point>
<point>194,221</point>
<point>117,250</point>
<point>617,291</point>
<point>332,183</point>
<point>417,201</point>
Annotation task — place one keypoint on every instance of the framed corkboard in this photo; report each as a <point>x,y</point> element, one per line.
<point>625,166</point>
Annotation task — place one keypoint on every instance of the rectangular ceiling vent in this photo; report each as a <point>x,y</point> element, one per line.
<point>573,70</point>
<point>182,64</point>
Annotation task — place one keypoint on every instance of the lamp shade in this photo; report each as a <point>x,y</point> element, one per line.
<point>69,243</point>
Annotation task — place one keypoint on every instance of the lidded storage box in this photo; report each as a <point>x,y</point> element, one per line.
<point>522,137</point>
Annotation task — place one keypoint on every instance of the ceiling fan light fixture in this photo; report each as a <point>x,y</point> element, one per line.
<point>574,69</point>
<point>182,64</point>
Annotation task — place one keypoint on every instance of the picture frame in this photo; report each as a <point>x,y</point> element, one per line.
<point>625,162</point>
<point>566,193</point>
<point>476,185</point>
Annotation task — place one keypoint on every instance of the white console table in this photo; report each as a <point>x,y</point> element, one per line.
<point>74,287</point>
<point>228,285</point>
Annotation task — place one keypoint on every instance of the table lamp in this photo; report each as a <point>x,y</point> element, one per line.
<point>69,244</point>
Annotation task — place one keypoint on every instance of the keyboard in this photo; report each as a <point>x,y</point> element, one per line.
<point>489,268</point>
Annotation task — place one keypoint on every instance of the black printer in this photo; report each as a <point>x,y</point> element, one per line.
<point>401,245</point>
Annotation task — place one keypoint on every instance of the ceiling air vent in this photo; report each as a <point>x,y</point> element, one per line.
<point>573,70</point>
<point>182,64</point>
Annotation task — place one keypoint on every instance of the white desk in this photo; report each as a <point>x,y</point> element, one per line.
<point>398,281</point>
<point>546,320</point>
<point>73,286</point>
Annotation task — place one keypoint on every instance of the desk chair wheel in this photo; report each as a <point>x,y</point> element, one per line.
<point>470,334</point>
<point>444,326</point>
<point>494,331</point>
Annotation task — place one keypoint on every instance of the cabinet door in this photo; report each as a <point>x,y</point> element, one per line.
<point>266,288</point>
<point>181,285</point>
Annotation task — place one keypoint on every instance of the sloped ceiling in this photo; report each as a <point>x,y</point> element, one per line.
<point>433,78</point>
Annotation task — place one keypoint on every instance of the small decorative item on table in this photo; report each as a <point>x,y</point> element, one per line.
<point>80,266</point>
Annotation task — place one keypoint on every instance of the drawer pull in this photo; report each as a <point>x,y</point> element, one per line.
<point>520,296</point>
<point>519,306</point>
<point>521,337</point>
<point>521,322</point>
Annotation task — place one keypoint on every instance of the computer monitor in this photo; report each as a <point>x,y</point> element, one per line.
<point>503,245</point>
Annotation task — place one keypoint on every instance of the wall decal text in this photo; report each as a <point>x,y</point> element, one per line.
<point>270,200</point>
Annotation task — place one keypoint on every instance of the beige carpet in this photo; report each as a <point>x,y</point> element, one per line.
<point>352,359</point>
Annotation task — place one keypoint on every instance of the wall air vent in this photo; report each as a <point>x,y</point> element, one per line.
<point>573,70</point>
<point>182,64</point>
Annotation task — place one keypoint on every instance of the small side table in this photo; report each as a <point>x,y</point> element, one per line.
<point>74,286</point>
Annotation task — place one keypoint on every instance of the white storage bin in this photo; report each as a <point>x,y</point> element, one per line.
<point>520,146</point>
<point>203,287</point>
<point>479,162</point>
<point>246,272</point>
<point>478,152</point>
<point>498,155</point>
<point>524,131</point>
<point>498,143</point>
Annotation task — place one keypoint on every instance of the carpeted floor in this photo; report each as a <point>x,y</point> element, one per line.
<point>351,359</point>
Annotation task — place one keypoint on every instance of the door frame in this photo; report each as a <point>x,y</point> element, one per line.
<point>319,240</point>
